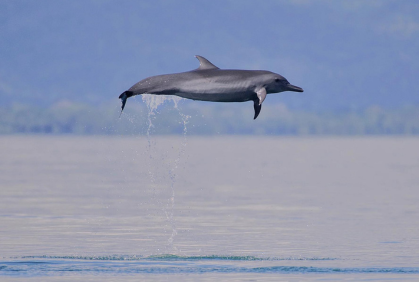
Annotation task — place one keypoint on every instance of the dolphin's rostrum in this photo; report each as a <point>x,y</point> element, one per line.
<point>209,83</point>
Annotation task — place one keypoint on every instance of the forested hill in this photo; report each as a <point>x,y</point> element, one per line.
<point>345,54</point>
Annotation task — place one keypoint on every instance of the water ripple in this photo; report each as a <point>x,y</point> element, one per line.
<point>172,264</point>
<point>171,257</point>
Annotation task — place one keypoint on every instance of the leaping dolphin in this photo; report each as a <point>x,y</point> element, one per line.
<point>209,83</point>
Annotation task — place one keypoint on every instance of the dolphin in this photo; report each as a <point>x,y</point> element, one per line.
<point>209,83</point>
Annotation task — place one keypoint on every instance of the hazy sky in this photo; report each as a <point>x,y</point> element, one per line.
<point>345,54</point>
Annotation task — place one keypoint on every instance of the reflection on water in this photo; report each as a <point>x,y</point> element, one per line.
<point>301,207</point>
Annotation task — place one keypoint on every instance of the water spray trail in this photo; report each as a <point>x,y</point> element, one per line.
<point>152,107</point>
<point>153,102</point>
<point>171,202</point>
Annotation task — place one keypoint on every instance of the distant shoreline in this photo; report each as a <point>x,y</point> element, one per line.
<point>205,119</point>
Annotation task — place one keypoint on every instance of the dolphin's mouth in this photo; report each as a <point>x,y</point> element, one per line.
<point>294,88</point>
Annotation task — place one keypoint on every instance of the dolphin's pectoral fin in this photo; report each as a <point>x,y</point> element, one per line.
<point>261,93</point>
<point>257,107</point>
<point>124,96</point>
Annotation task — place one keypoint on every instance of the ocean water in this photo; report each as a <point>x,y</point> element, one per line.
<point>185,208</point>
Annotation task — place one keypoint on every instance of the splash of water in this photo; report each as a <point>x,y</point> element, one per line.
<point>153,102</point>
<point>171,206</point>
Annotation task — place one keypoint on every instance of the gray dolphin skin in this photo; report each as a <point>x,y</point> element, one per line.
<point>209,83</point>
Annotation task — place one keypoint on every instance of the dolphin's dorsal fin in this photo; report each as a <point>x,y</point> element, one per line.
<point>204,64</point>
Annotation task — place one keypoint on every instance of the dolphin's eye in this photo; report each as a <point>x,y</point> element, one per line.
<point>277,79</point>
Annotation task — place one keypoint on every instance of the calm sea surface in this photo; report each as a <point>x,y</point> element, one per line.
<point>209,208</point>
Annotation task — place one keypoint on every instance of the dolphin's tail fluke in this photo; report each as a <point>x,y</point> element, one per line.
<point>257,107</point>
<point>124,96</point>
